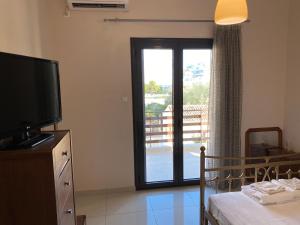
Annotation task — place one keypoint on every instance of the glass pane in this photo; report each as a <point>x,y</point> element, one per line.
<point>158,98</point>
<point>196,78</point>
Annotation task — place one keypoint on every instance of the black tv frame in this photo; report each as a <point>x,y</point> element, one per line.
<point>23,133</point>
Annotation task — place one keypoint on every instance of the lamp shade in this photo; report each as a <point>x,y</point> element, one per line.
<point>229,12</point>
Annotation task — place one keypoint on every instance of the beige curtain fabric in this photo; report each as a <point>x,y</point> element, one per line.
<point>226,94</point>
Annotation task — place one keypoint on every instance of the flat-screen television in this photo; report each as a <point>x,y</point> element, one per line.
<point>29,94</point>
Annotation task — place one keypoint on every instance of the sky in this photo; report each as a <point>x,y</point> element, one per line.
<point>158,63</point>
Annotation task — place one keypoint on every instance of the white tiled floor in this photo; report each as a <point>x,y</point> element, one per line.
<point>176,206</point>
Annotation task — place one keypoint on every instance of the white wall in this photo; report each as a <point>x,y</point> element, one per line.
<point>19,27</point>
<point>292,120</point>
<point>264,64</point>
<point>95,74</point>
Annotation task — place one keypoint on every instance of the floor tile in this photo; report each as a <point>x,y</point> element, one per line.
<point>170,206</point>
<point>170,200</point>
<point>127,203</point>
<point>140,218</point>
<point>91,205</point>
<point>195,194</point>
<point>178,216</point>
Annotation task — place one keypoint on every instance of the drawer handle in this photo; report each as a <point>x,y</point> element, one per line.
<point>69,211</point>
<point>65,153</point>
<point>67,183</point>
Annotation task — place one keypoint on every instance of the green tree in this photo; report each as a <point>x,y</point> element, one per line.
<point>196,94</point>
<point>154,109</point>
<point>153,88</point>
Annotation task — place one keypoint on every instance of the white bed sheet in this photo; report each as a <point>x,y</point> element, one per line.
<point>238,209</point>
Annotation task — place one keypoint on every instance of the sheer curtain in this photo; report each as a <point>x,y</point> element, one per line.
<point>225,94</point>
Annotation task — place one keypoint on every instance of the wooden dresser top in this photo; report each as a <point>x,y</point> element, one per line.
<point>43,148</point>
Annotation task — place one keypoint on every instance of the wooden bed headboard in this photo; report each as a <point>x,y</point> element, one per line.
<point>268,167</point>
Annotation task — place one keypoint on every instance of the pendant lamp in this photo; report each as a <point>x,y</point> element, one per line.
<point>229,12</point>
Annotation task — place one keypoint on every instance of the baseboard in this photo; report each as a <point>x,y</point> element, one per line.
<point>106,191</point>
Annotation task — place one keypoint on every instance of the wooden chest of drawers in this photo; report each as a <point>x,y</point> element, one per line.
<point>36,185</point>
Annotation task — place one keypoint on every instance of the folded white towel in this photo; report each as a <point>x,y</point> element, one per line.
<point>268,187</point>
<point>291,183</point>
<point>296,192</point>
<point>266,199</point>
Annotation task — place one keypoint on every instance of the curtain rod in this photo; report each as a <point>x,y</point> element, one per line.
<point>158,20</point>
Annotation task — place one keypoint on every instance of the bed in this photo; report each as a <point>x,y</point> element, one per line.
<point>235,208</point>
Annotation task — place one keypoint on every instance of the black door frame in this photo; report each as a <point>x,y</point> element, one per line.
<point>177,45</point>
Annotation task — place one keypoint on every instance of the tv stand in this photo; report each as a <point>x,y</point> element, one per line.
<point>37,184</point>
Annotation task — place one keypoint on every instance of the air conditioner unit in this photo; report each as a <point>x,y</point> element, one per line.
<point>106,5</point>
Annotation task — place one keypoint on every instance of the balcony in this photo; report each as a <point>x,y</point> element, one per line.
<point>159,142</point>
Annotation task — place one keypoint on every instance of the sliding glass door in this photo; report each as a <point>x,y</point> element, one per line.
<point>158,114</point>
<point>170,80</point>
<point>196,78</point>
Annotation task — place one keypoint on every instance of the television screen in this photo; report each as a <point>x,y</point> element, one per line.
<point>29,93</point>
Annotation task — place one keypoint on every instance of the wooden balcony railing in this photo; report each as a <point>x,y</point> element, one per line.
<point>159,129</point>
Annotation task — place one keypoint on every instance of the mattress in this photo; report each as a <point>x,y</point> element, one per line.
<point>238,209</point>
